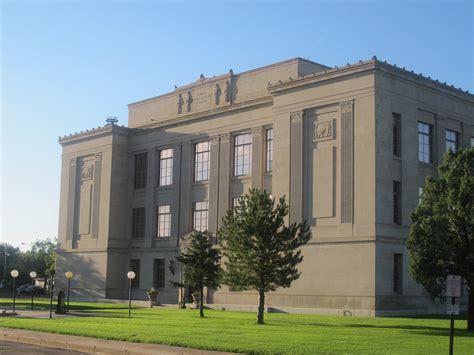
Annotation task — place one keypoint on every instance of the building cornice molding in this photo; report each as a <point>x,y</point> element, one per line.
<point>364,67</point>
<point>94,133</point>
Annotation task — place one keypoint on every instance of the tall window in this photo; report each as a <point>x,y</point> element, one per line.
<point>201,161</point>
<point>452,140</point>
<point>397,134</point>
<point>140,166</point>
<point>135,267</point>
<point>269,150</point>
<point>243,154</point>
<point>164,221</point>
<point>200,215</point>
<point>425,142</point>
<point>397,203</point>
<point>398,273</point>
<point>159,273</point>
<point>166,167</point>
<point>472,141</point>
<point>138,223</point>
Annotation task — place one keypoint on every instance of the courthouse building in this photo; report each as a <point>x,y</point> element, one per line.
<point>350,148</point>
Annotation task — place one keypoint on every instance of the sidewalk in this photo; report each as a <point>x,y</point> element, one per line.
<point>92,345</point>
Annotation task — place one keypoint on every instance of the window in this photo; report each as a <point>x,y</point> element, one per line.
<point>472,141</point>
<point>159,273</point>
<point>243,154</point>
<point>201,161</point>
<point>398,273</point>
<point>397,134</point>
<point>269,150</point>
<point>140,166</point>
<point>397,200</point>
<point>135,267</point>
<point>138,223</point>
<point>166,167</point>
<point>425,142</point>
<point>164,221</point>
<point>452,140</point>
<point>200,210</point>
<point>420,194</point>
<point>235,202</point>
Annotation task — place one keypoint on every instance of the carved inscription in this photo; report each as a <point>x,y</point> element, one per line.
<point>86,172</point>
<point>323,130</point>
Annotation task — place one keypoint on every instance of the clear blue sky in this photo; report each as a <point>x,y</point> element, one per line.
<point>66,65</point>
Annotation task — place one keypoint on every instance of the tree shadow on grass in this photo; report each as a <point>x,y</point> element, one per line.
<point>425,330</point>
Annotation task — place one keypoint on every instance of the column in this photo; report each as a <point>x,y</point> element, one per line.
<point>296,167</point>
<point>347,162</point>
<point>224,176</point>
<point>214,185</point>
<point>257,158</point>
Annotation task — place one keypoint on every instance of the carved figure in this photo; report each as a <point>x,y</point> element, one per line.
<point>228,91</point>
<point>217,94</point>
<point>323,130</point>
<point>86,172</point>
<point>189,101</point>
<point>180,103</point>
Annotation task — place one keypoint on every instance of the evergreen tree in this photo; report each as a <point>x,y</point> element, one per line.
<point>261,252</point>
<point>201,263</point>
<point>441,240</point>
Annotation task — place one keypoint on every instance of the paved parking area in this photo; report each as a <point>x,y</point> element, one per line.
<point>10,347</point>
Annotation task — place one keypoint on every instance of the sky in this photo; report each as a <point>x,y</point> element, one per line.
<point>67,65</point>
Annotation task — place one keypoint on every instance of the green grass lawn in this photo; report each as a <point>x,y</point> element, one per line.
<point>237,331</point>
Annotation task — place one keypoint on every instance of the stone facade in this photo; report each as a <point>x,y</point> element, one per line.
<point>333,136</point>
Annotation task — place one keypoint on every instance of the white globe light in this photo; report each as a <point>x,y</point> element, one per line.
<point>32,274</point>
<point>14,273</point>
<point>69,274</point>
<point>131,275</point>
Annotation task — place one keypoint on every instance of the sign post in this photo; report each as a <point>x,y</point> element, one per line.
<point>453,290</point>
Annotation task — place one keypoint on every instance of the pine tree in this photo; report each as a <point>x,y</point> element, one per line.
<point>441,239</point>
<point>261,253</point>
<point>201,263</point>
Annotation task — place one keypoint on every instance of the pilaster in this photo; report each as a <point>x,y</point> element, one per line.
<point>347,162</point>
<point>224,176</point>
<point>71,203</point>
<point>150,199</point>
<point>214,184</point>
<point>96,196</point>
<point>257,157</point>
<point>296,166</point>
<point>176,189</point>
<point>185,196</point>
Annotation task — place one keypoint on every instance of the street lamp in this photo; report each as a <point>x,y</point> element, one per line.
<point>69,275</point>
<point>14,274</point>
<point>32,275</point>
<point>131,275</point>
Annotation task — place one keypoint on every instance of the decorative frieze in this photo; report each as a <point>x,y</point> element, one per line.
<point>296,116</point>
<point>225,138</point>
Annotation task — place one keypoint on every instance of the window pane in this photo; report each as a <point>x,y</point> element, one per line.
<point>166,167</point>
<point>425,145</point>
<point>242,154</point>
<point>164,221</point>
<point>201,161</point>
<point>140,170</point>
<point>138,223</point>
<point>200,216</point>
<point>159,273</point>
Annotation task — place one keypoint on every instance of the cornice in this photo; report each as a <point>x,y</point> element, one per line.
<point>94,133</point>
<point>372,65</point>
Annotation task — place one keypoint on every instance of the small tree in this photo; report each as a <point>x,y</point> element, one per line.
<point>201,265</point>
<point>261,252</point>
<point>441,239</point>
